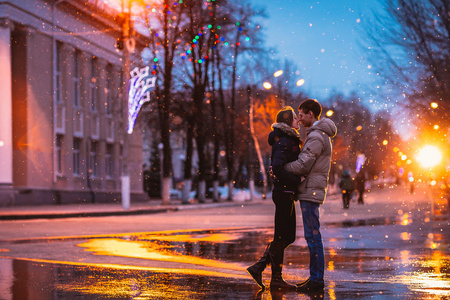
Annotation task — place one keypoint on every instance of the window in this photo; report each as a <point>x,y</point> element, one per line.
<point>121,160</point>
<point>76,156</point>
<point>59,157</point>
<point>58,62</point>
<point>93,160</point>
<point>109,88</point>
<point>76,78</point>
<point>109,163</point>
<point>93,84</point>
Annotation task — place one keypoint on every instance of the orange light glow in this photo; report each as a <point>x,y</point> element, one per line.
<point>429,156</point>
<point>330,113</point>
<point>331,265</point>
<point>300,82</point>
<point>406,236</point>
<point>434,105</point>
<point>267,85</point>
<point>385,142</point>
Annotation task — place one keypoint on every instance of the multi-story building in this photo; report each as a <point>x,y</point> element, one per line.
<point>62,109</point>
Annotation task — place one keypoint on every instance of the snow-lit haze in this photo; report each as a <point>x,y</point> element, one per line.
<point>321,37</point>
<point>324,39</point>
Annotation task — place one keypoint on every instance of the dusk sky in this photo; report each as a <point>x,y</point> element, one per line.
<point>322,38</point>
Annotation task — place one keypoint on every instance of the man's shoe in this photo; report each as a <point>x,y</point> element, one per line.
<point>310,286</point>
<point>303,283</point>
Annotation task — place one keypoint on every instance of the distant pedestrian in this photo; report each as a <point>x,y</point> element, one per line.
<point>347,185</point>
<point>314,163</point>
<point>285,143</point>
<point>360,181</point>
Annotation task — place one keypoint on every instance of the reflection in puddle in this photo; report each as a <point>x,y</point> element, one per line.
<point>32,280</point>
<point>147,250</point>
<point>389,260</point>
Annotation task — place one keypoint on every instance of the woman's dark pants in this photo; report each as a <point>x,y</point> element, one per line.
<point>285,218</point>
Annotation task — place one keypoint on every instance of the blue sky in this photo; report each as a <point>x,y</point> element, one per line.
<point>321,37</point>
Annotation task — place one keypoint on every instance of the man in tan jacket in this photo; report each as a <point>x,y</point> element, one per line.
<point>313,163</point>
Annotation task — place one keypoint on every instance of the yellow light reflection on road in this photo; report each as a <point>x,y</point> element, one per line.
<point>184,238</point>
<point>151,251</point>
<point>121,282</point>
<point>406,236</point>
<point>433,278</point>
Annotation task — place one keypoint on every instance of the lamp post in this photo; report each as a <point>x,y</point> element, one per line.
<point>253,142</point>
<point>125,178</point>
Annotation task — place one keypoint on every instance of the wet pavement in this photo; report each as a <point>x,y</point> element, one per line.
<point>404,254</point>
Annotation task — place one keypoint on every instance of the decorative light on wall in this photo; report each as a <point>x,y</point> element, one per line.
<point>139,93</point>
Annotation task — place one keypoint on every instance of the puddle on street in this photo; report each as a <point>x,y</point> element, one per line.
<point>33,280</point>
<point>382,260</point>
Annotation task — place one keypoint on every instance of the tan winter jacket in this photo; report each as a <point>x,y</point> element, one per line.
<point>314,161</point>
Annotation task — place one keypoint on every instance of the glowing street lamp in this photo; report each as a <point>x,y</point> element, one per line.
<point>300,82</point>
<point>429,156</point>
<point>267,85</point>
<point>278,73</point>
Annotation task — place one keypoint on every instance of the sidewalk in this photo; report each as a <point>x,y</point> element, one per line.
<point>379,203</point>
<point>153,206</point>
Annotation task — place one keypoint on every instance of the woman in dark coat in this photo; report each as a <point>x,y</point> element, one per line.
<point>285,143</point>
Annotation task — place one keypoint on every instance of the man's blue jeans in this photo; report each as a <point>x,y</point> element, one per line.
<point>311,225</point>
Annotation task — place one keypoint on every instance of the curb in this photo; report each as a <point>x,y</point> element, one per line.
<point>83,214</point>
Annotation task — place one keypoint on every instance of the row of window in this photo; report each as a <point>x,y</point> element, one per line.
<point>93,158</point>
<point>76,75</point>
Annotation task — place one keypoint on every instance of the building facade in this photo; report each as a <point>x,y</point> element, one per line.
<point>62,110</point>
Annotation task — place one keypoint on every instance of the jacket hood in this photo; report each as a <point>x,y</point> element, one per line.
<point>325,125</point>
<point>281,129</point>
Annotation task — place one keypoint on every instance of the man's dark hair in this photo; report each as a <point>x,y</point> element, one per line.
<point>286,115</point>
<point>311,105</point>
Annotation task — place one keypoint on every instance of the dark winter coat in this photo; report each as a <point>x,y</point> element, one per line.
<point>360,181</point>
<point>314,161</point>
<point>346,183</point>
<point>285,144</point>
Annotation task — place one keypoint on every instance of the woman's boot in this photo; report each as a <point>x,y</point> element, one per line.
<point>277,256</point>
<point>256,269</point>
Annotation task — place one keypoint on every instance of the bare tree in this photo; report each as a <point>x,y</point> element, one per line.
<point>410,48</point>
<point>166,35</point>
